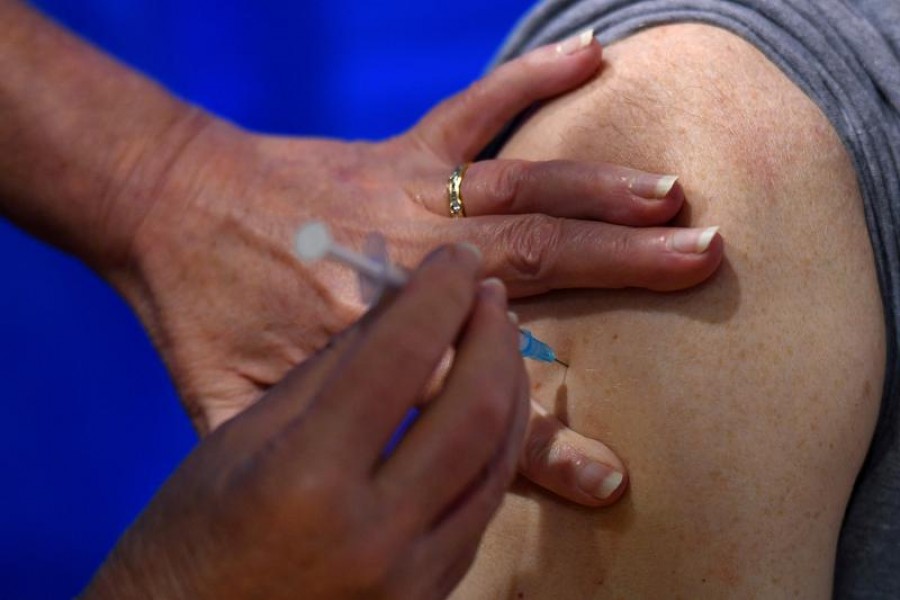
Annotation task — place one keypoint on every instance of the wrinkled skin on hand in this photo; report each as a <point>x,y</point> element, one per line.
<point>212,275</point>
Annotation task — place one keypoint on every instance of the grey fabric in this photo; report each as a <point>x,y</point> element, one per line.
<point>845,54</point>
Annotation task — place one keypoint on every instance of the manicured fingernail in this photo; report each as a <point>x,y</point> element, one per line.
<point>494,290</point>
<point>576,43</point>
<point>652,187</point>
<point>472,248</point>
<point>599,480</point>
<point>692,241</point>
<point>513,317</point>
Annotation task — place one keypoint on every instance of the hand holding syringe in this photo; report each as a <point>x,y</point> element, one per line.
<point>314,242</point>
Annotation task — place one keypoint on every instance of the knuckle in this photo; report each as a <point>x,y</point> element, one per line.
<point>508,180</point>
<point>325,504</point>
<point>285,507</point>
<point>311,490</point>
<point>531,244</point>
<point>477,92</point>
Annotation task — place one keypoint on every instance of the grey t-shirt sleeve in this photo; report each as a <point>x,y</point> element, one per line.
<point>845,55</point>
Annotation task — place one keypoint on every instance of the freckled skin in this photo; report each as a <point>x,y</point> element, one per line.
<point>743,408</point>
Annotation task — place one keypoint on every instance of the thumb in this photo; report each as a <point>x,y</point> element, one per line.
<point>568,464</point>
<point>460,127</point>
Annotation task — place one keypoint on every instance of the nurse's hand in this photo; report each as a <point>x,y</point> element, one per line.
<point>212,276</point>
<point>294,497</point>
<point>192,219</point>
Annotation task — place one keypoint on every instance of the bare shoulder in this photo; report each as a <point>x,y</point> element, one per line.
<point>744,407</point>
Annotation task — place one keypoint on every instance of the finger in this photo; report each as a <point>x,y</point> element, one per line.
<point>464,526</point>
<point>464,427</point>
<point>562,188</point>
<point>459,128</point>
<point>568,464</point>
<point>533,254</point>
<point>383,375</point>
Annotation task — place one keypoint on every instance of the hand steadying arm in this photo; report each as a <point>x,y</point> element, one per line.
<point>191,218</point>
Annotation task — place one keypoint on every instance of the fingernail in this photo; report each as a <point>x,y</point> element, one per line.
<point>652,187</point>
<point>599,480</point>
<point>576,43</point>
<point>472,248</point>
<point>494,290</point>
<point>513,317</point>
<point>692,241</point>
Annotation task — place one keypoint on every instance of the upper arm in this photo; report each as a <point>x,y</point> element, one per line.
<point>744,407</point>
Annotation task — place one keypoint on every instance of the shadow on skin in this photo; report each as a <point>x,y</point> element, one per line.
<point>722,291</point>
<point>582,526</point>
<point>559,515</point>
<point>715,302</point>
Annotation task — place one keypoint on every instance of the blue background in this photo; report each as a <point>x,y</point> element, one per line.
<point>90,423</point>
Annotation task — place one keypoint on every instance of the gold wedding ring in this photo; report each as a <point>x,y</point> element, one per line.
<point>454,195</point>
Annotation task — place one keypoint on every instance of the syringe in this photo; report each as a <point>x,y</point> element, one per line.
<point>314,243</point>
<point>535,349</point>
